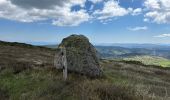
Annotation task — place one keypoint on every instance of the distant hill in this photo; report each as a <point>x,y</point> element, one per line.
<point>128,50</point>
<point>120,52</point>
<point>137,45</point>
<point>18,44</point>
<point>50,46</point>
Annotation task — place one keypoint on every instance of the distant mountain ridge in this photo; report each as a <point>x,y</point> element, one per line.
<point>126,45</point>
<point>128,50</point>
<point>121,50</point>
<point>135,45</point>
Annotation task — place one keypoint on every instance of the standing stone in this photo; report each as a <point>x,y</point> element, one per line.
<point>60,61</point>
<point>81,56</point>
<point>64,63</point>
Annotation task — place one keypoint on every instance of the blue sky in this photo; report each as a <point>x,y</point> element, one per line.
<point>102,21</point>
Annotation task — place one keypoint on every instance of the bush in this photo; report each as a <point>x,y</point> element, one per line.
<point>112,92</point>
<point>3,95</point>
<point>18,67</point>
<point>103,90</point>
<point>133,62</point>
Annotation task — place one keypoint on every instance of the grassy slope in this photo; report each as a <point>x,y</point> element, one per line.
<point>17,54</point>
<point>151,60</point>
<point>28,74</point>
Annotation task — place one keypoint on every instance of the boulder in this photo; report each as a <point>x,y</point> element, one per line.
<point>81,56</point>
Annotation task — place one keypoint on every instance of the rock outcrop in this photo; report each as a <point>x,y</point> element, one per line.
<point>81,56</point>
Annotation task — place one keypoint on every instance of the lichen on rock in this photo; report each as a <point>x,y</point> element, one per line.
<point>81,56</point>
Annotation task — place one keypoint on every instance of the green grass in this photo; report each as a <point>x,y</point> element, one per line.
<point>16,85</point>
<point>120,81</point>
<point>165,63</point>
<point>47,84</point>
<point>150,60</point>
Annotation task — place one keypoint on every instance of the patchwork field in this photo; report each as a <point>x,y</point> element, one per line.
<point>150,60</point>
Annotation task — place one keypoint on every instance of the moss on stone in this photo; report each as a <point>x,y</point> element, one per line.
<point>81,55</point>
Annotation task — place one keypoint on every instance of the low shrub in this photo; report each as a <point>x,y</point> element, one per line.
<point>113,92</point>
<point>18,67</point>
<point>3,94</point>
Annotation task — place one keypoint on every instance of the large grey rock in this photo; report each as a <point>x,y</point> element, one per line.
<point>81,56</point>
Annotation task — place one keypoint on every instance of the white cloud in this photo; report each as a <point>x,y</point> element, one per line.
<point>158,11</point>
<point>162,35</point>
<point>78,17</point>
<point>95,1</point>
<point>61,13</point>
<point>137,11</point>
<point>92,7</point>
<point>137,28</point>
<point>152,4</point>
<point>111,9</point>
<point>46,4</point>
<point>106,21</point>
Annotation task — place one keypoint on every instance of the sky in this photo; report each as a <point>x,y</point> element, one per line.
<point>102,21</point>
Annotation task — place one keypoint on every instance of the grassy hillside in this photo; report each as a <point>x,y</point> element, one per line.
<point>24,54</point>
<point>27,73</point>
<point>150,60</point>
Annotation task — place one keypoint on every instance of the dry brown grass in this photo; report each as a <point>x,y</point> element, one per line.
<point>27,72</point>
<point>148,81</point>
